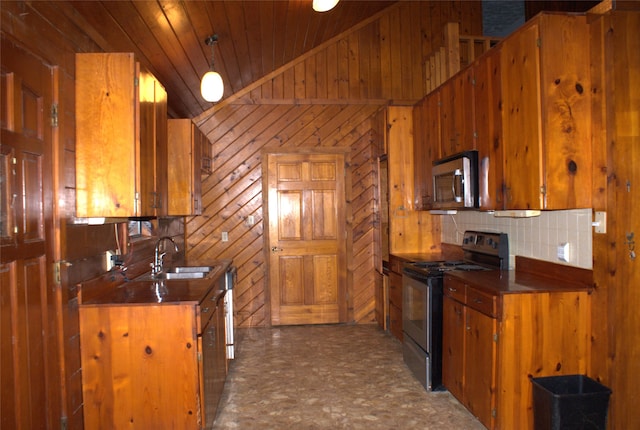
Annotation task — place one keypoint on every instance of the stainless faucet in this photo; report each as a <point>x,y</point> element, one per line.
<point>156,267</point>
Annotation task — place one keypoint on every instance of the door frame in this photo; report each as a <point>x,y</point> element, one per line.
<point>346,152</point>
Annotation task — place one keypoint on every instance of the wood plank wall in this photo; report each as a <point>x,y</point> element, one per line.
<point>332,96</point>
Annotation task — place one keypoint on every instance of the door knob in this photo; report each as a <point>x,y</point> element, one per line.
<point>275,249</point>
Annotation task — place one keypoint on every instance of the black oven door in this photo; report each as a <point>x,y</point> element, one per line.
<point>416,302</point>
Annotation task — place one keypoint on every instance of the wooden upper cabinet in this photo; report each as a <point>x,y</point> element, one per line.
<point>427,138</point>
<point>120,138</point>
<point>546,114</point>
<point>456,113</point>
<point>487,102</point>
<point>184,170</point>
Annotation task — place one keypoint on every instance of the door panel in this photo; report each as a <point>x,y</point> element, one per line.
<point>30,372</point>
<point>307,262</point>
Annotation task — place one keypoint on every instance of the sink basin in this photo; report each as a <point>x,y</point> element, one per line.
<point>189,269</point>
<point>183,272</point>
<point>180,275</point>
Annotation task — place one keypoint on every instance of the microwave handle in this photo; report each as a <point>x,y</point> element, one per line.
<point>457,185</point>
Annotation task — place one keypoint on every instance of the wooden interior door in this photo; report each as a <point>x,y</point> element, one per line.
<point>306,245</point>
<point>29,379</point>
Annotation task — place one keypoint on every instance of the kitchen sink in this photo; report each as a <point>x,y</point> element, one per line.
<point>190,269</point>
<point>183,272</point>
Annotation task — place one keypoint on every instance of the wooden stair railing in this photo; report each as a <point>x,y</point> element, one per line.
<point>458,52</point>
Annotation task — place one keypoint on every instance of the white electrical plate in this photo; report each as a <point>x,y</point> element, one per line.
<point>563,252</point>
<point>225,236</point>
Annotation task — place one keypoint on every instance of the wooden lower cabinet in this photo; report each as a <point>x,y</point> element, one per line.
<point>493,344</point>
<point>152,366</point>
<point>395,297</point>
<point>469,362</point>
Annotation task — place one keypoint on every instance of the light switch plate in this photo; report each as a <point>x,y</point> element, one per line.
<point>225,236</point>
<point>600,222</point>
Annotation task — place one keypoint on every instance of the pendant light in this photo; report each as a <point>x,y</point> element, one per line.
<point>211,86</point>
<point>324,5</point>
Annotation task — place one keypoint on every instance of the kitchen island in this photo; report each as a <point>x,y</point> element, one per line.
<point>153,352</point>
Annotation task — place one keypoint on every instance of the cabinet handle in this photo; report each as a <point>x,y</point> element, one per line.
<point>453,290</point>
<point>205,310</point>
<point>476,300</point>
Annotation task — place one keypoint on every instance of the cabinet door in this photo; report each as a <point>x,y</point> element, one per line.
<point>453,350</point>
<point>520,64</point>
<point>107,133</point>
<point>153,146</point>
<point>184,170</point>
<point>209,373</point>
<point>566,111</point>
<point>146,180</point>
<point>426,148</point>
<point>480,365</point>
<point>395,304</point>
<point>161,141</point>
<point>456,113</point>
<point>488,129</point>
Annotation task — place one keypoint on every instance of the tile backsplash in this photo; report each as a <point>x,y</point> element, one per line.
<point>535,237</point>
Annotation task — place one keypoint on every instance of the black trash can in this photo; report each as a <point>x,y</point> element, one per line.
<point>569,402</point>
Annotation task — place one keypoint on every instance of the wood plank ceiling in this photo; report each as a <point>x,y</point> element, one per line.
<point>255,38</point>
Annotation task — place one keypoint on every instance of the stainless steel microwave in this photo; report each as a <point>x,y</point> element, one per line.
<point>455,181</point>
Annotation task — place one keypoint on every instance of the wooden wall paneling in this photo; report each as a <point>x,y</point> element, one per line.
<point>331,64</point>
<point>322,77</point>
<point>624,194</point>
<point>353,65</point>
<point>366,80</point>
<point>603,199</point>
<point>309,81</point>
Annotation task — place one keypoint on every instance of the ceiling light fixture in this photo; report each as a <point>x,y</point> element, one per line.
<point>211,86</point>
<point>324,5</point>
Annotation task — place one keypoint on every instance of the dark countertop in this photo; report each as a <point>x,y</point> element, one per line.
<point>499,282</point>
<point>143,290</point>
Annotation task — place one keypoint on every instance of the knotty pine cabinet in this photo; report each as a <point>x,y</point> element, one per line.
<point>151,365</point>
<point>494,341</point>
<point>395,297</point>
<point>456,114</point>
<point>427,148</point>
<point>487,100</point>
<point>525,105</point>
<point>546,93</point>
<point>469,349</point>
<point>186,143</point>
<point>121,138</point>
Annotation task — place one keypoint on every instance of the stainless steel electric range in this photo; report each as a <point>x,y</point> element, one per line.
<point>422,283</point>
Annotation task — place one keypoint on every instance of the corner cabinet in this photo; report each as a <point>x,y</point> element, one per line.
<point>186,143</point>
<point>546,91</point>
<point>121,138</point>
<point>153,366</point>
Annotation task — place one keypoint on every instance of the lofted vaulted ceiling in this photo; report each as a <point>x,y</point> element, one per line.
<point>255,38</point>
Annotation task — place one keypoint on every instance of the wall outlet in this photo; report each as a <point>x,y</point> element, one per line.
<point>563,252</point>
<point>110,259</point>
<point>250,220</point>
<point>225,236</point>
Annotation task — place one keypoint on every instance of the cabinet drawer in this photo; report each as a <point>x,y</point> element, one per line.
<point>395,265</point>
<point>455,289</point>
<point>482,302</point>
<point>395,289</point>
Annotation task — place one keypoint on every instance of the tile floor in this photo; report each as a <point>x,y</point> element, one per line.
<point>329,377</point>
